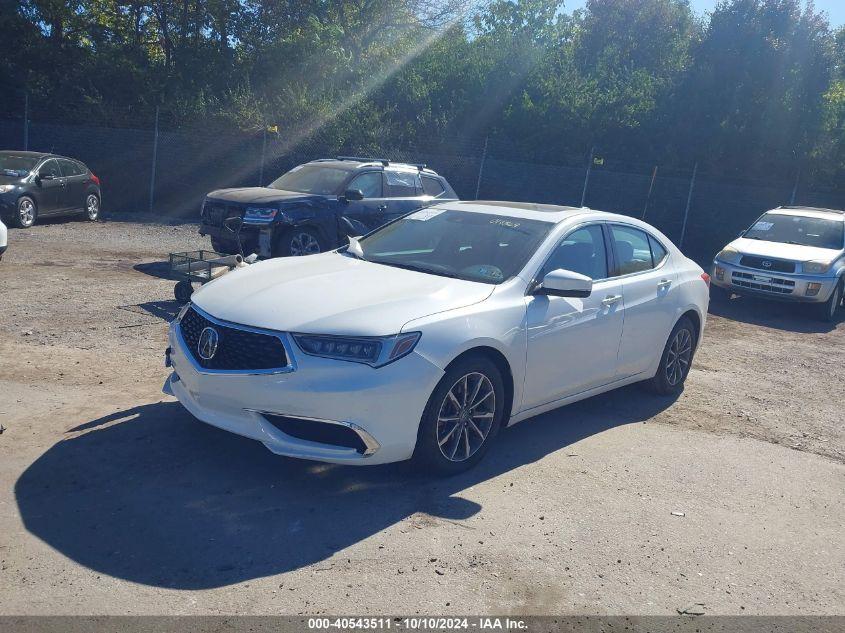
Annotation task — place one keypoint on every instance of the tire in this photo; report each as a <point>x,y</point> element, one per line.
<point>676,360</point>
<point>446,428</point>
<point>26,213</point>
<point>183,291</point>
<point>828,310</point>
<point>92,207</point>
<point>222,247</point>
<point>299,241</point>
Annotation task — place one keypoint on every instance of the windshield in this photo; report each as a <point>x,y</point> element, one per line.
<point>317,179</point>
<point>798,229</point>
<point>12,165</point>
<point>470,246</point>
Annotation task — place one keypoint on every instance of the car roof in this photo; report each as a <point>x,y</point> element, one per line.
<point>351,163</point>
<point>811,212</point>
<point>529,210</point>
<point>36,155</point>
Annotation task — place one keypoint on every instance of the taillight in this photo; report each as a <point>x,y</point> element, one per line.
<point>94,179</point>
<point>706,278</point>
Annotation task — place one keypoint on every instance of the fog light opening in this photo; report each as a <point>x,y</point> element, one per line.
<point>812,289</point>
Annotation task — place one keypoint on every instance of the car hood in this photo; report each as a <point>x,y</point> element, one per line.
<point>333,294</point>
<point>259,195</point>
<point>779,250</point>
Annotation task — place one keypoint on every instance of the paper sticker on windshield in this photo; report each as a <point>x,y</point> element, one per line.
<point>763,226</point>
<point>425,214</point>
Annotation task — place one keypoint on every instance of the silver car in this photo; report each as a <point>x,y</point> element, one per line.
<point>788,254</point>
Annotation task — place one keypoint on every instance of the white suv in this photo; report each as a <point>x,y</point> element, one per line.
<point>789,254</point>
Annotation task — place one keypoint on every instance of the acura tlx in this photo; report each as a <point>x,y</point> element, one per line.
<point>425,337</point>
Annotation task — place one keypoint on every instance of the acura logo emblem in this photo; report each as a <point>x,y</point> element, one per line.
<point>767,264</point>
<point>207,345</point>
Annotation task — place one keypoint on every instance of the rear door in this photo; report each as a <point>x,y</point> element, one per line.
<point>75,179</point>
<point>404,191</point>
<point>370,213</point>
<point>50,193</point>
<point>648,286</point>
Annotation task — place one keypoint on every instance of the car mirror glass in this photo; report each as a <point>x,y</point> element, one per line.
<point>354,194</point>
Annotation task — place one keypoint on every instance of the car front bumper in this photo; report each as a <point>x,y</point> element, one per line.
<point>772,285</point>
<point>383,406</point>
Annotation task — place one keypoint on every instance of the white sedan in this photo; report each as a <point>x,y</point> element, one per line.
<point>3,238</point>
<point>428,335</point>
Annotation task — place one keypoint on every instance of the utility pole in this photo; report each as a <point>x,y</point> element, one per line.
<point>155,157</point>
<point>795,188</point>
<point>587,177</point>
<point>650,189</point>
<point>263,149</point>
<point>689,202</point>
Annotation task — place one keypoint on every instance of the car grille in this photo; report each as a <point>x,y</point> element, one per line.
<point>237,349</point>
<point>763,283</point>
<point>215,213</point>
<point>774,265</point>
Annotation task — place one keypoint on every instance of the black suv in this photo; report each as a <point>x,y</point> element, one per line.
<point>314,207</point>
<point>37,184</point>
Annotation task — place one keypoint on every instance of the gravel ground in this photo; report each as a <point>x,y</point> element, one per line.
<point>114,500</point>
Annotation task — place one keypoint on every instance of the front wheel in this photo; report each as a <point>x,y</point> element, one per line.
<point>92,207</point>
<point>297,242</point>
<point>26,213</point>
<point>828,309</point>
<point>676,360</point>
<point>462,417</point>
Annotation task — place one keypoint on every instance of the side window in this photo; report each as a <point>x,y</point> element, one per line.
<point>401,184</point>
<point>69,168</point>
<point>369,183</point>
<point>582,251</point>
<point>632,249</point>
<point>432,187</point>
<point>658,253</point>
<point>50,168</point>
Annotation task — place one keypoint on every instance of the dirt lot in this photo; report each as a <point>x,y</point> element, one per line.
<point>114,500</point>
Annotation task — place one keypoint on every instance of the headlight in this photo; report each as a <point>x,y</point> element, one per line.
<point>372,350</point>
<point>259,214</point>
<point>6,188</point>
<point>728,254</point>
<point>816,267</point>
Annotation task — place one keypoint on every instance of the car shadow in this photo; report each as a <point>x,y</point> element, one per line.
<point>159,269</point>
<point>164,310</point>
<point>153,496</point>
<point>793,317</point>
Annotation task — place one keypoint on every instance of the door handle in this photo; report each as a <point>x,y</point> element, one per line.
<point>381,208</point>
<point>664,284</point>
<point>610,300</point>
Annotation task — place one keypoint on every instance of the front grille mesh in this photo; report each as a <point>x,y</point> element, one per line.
<point>774,265</point>
<point>762,283</point>
<point>237,349</point>
<point>316,431</point>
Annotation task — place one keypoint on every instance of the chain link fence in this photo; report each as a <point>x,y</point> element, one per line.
<point>168,173</point>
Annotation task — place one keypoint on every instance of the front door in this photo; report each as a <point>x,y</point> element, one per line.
<point>369,213</point>
<point>51,188</point>
<point>573,343</point>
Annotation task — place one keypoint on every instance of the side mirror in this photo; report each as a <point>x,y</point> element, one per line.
<point>354,194</point>
<point>565,283</point>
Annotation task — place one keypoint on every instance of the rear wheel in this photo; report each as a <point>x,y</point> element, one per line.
<point>26,213</point>
<point>92,206</point>
<point>462,417</point>
<point>829,309</point>
<point>297,242</point>
<point>676,360</point>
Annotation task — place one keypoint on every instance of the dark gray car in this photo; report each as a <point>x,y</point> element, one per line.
<point>35,185</point>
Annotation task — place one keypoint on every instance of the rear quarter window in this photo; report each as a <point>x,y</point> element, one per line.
<point>432,186</point>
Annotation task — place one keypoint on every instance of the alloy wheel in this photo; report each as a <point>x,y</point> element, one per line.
<point>466,416</point>
<point>303,244</point>
<point>92,207</point>
<point>679,356</point>
<point>26,213</point>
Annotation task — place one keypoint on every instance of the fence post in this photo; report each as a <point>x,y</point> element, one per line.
<point>155,157</point>
<point>587,177</point>
<point>481,167</point>
<point>689,202</point>
<point>263,149</point>
<point>650,189</point>
<point>26,121</point>
<point>795,188</point>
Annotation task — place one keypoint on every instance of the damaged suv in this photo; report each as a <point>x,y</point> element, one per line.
<point>314,207</point>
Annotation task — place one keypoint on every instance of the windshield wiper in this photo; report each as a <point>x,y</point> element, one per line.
<point>419,269</point>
